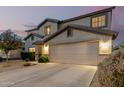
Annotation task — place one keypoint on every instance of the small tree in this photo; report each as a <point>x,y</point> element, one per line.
<point>9,41</point>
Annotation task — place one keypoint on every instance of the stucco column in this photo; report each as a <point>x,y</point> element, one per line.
<point>37,51</point>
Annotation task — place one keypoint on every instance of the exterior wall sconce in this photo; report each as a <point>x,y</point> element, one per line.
<point>105,47</point>
<point>46,49</point>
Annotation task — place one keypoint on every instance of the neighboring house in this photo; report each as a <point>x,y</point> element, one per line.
<point>13,54</point>
<point>86,39</point>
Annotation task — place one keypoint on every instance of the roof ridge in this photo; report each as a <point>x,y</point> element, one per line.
<point>52,19</point>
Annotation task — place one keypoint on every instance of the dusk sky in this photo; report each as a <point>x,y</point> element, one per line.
<point>15,18</point>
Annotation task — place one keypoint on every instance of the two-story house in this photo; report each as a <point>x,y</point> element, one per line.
<point>85,39</point>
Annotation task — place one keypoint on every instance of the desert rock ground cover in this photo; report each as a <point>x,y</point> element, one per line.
<point>110,72</point>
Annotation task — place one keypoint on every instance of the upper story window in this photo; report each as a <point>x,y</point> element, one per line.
<point>99,21</point>
<point>32,38</point>
<point>69,33</point>
<point>47,30</point>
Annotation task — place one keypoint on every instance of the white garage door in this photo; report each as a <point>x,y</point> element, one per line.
<point>77,53</point>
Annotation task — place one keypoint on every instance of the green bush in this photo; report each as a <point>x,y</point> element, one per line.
<point>43,59</point>
<point>28,55</point>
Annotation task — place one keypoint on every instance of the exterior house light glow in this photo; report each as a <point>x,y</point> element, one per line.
<point>105,47</point>
<point>48,30</point>
<point>32,49</point>
<point>46,49</point>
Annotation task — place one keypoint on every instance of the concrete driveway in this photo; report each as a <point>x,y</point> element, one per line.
<point>49,75</point>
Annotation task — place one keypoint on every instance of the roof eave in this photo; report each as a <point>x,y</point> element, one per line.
<point>89,14</point>
<point>38,43</point>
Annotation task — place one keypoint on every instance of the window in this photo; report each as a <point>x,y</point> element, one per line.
<point>69,33</point>
<point>47,30</point>
<point>32,37</point>
<point>32,49</point>
<point>99,21</point>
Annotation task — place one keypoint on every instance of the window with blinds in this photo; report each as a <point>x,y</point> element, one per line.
<point>99,21</point>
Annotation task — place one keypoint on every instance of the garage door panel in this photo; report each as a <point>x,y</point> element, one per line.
<point>79,53</point>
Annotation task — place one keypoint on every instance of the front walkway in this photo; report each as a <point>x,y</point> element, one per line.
<point>50,74</point>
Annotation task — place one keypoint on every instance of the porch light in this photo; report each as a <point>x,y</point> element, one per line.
<point>105,47</point>
<point>46,49</point>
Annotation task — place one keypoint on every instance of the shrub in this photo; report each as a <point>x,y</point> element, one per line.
<point>28,55</point>
<point>111,70</point>
<point>1,59</point>
<point>43,59</point>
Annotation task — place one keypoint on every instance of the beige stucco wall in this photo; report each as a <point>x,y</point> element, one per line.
<point>77,37</point>
<point>38,51</point>
<point>83,21</point>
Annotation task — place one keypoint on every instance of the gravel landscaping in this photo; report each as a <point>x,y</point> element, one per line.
<point>11,65</point>
<point>110,72</point>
